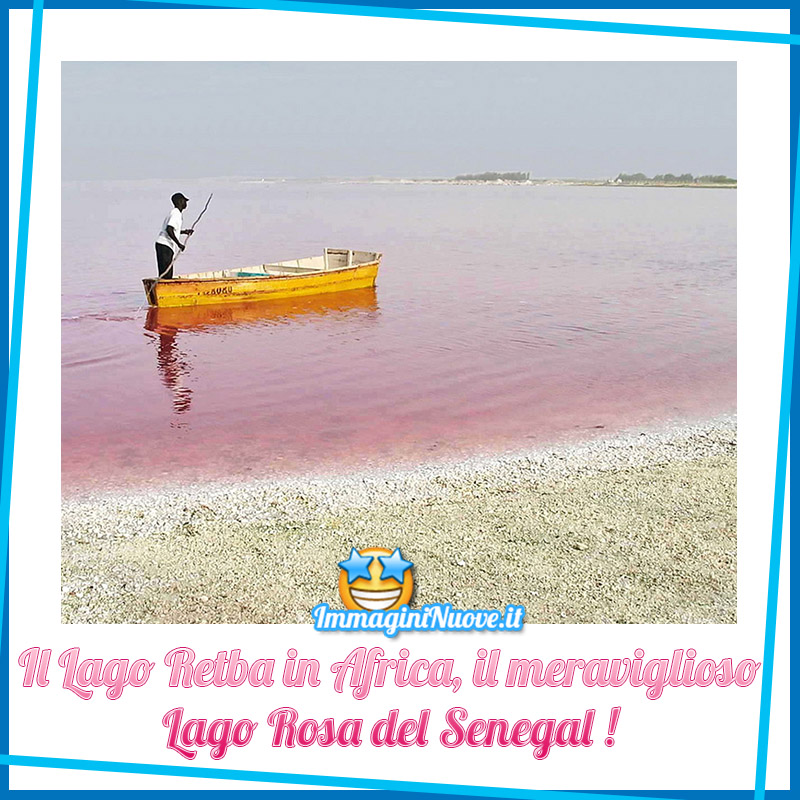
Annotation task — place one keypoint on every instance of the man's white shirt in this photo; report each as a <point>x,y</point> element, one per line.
<point>175,220</point>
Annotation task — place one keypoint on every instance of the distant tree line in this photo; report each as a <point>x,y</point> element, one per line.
<point>687,177</point>
<point>495,176</point>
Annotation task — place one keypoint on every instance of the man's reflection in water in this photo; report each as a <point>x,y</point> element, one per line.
<point>173,366</point>
<point>359,306</point>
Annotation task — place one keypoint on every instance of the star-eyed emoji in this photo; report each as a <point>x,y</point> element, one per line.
<point>375,579</point>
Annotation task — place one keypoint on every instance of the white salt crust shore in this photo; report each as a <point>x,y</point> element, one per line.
<point>636,528</point>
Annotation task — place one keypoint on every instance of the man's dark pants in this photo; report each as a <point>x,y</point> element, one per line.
<point>164,258</point>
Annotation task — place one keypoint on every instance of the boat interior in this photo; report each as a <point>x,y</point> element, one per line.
<point>331,259</point>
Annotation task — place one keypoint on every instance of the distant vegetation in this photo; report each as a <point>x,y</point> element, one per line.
<point>495,176</point>
<point>687,177</point>
<point>637,178</point>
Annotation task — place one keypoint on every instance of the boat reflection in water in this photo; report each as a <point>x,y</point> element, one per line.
<point>174,364</point>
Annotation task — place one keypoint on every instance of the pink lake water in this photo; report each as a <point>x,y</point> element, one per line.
<point>504,317</point>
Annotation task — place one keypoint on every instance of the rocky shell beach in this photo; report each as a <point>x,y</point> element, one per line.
<point>637,528</point>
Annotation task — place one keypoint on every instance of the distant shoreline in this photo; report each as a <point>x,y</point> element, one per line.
<point>604,184</point>
<point>452,182</point>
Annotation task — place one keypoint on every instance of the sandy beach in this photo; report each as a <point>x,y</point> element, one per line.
<point>636,528</point>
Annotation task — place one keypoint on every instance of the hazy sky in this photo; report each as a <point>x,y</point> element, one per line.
<point>396,119</point>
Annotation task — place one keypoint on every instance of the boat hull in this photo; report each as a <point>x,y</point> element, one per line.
<point>209,319</point>
<point>209,291</point>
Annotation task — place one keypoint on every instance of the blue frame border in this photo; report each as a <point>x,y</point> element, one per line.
<point>403,9</point>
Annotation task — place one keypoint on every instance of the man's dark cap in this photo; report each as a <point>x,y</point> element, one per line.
<point>179,196</point>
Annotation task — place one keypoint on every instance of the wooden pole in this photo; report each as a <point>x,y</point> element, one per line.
<point>172,263</point>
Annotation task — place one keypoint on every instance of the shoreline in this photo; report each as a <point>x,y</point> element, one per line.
<point>636,527</point>
<point>582,444</point>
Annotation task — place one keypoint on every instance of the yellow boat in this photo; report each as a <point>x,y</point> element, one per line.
<point>333,271</point>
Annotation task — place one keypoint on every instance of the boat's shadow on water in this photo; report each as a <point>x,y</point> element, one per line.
<point>173,362</point>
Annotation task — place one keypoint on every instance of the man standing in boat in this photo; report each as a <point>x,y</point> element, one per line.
<point>167,243</point>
